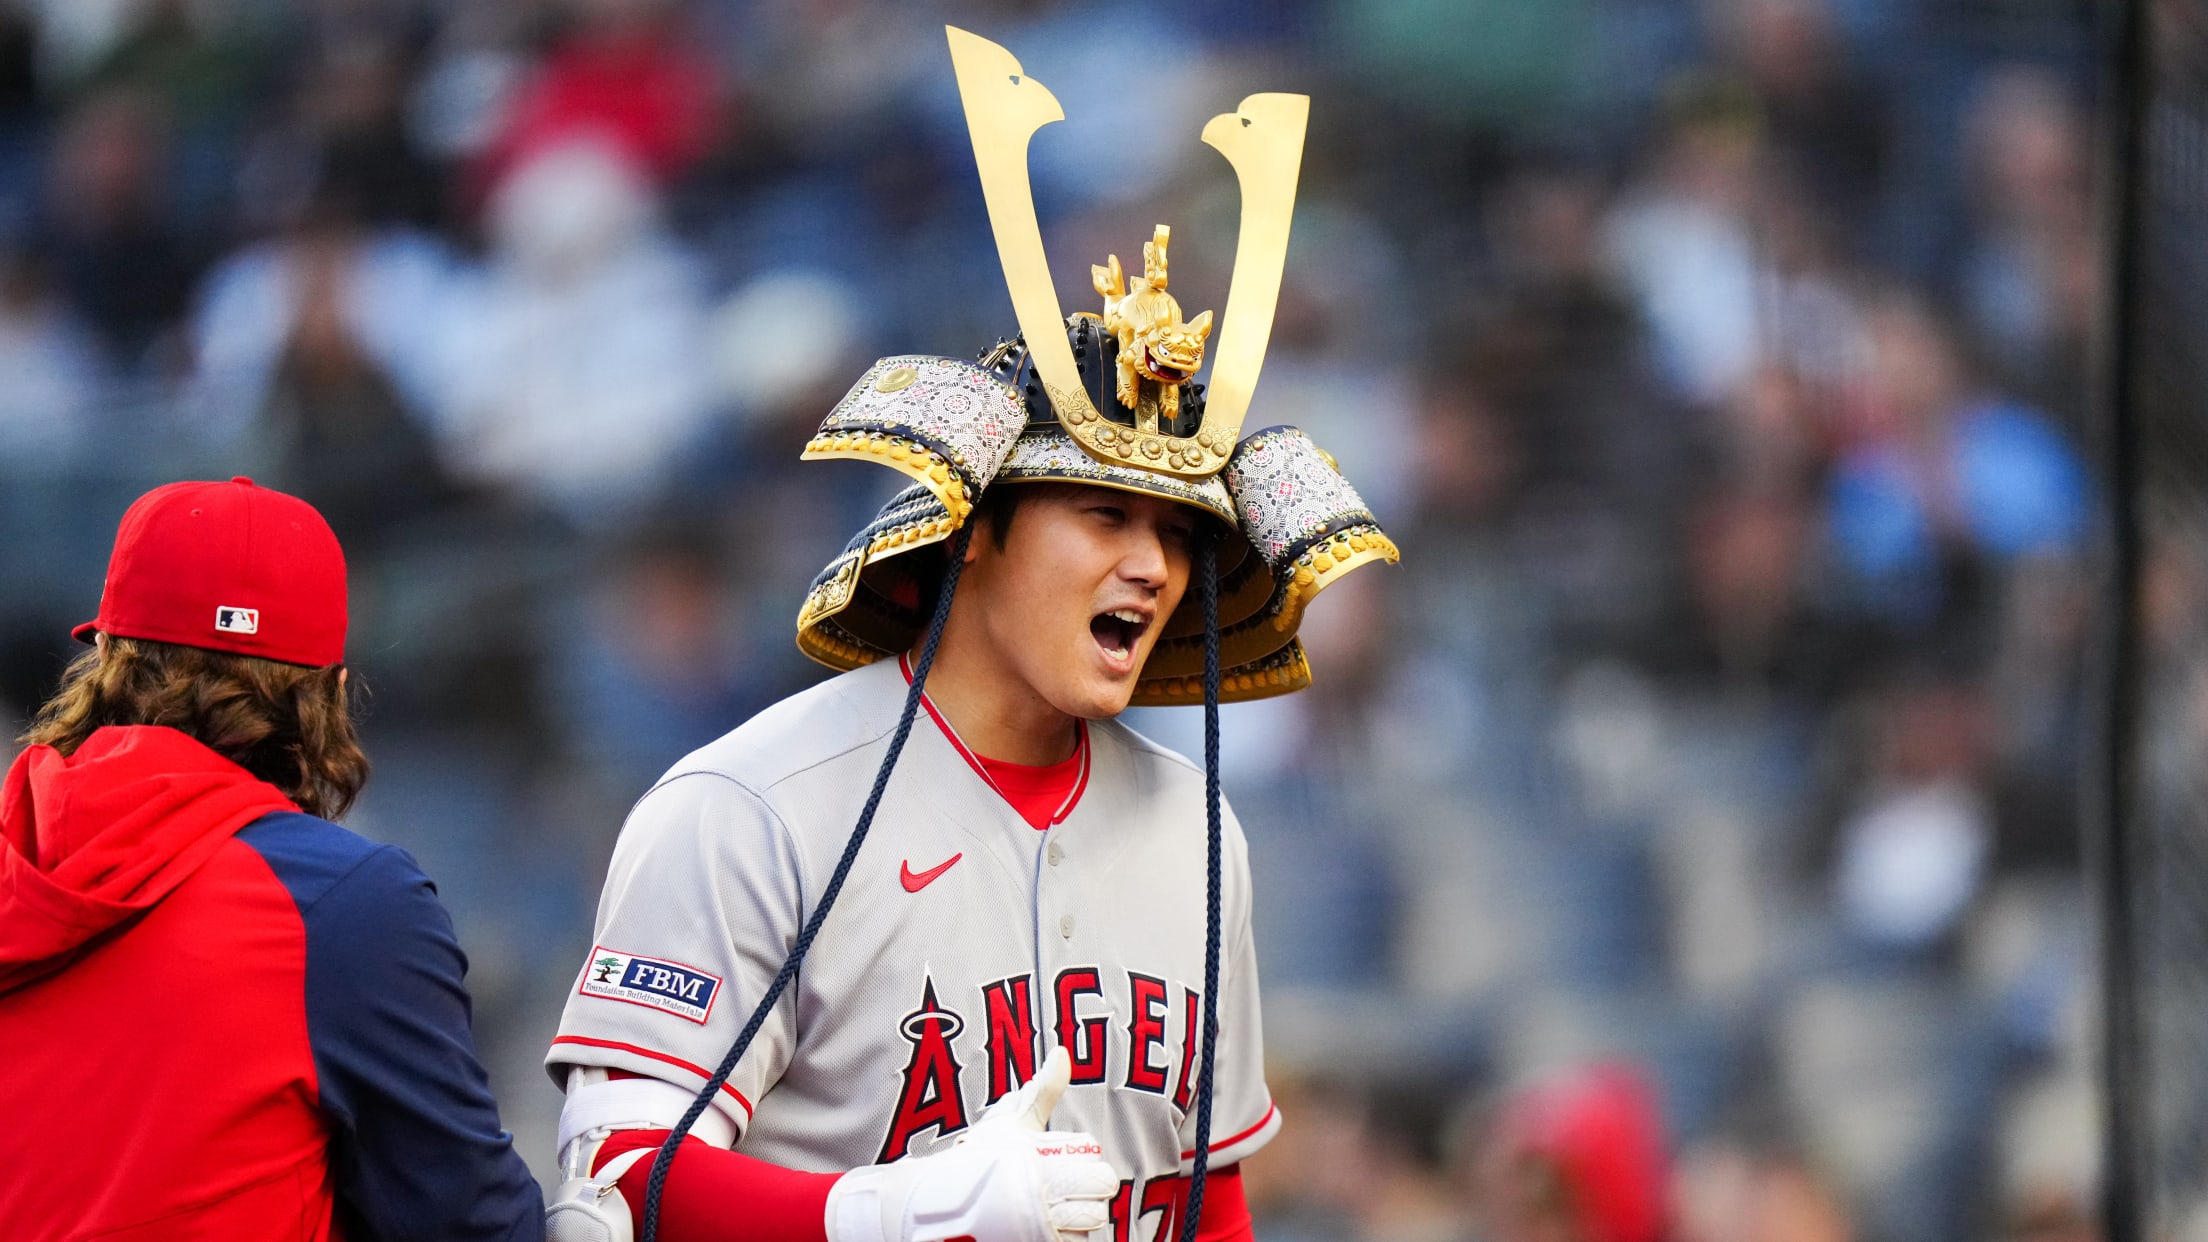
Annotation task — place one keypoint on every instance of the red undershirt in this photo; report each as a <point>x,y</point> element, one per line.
<point>786,1205</point>
<point>1042,794</point>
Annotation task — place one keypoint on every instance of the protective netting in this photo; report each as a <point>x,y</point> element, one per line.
<point>2162,340</point>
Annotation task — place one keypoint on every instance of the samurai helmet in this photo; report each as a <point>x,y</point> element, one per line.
<point>1107,399</point>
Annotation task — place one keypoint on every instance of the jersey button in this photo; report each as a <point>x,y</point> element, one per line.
<point>1056,853</point>
<point>1065,926</point>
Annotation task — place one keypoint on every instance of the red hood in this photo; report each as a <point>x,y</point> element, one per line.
<point>90,840</point>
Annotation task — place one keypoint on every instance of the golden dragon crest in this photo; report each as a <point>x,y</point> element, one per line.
<point>1156,349</point>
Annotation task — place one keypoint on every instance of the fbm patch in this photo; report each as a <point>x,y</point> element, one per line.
<point>651,982</point>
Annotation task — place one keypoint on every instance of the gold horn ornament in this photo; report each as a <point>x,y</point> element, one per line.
<point>1262,140</point>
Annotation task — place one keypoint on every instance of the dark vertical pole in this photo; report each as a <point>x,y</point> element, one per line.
<point>2112,822</point>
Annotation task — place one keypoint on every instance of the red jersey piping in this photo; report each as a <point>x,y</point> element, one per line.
<point>1081,748</point>
<point>1262,1122</point>
<point>677,1062</point>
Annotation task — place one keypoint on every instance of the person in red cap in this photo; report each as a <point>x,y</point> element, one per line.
<point>224,1016</point>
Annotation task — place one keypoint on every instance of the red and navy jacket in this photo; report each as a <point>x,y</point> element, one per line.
<point>224,1018</point>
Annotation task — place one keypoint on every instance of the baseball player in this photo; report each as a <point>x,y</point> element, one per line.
<point>223,1015</point>
<point>1031,1009</point>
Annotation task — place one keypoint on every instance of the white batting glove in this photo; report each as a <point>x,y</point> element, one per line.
<point>1007,1179</point>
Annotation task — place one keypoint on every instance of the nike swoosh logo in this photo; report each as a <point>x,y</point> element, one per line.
<point>914,883</point>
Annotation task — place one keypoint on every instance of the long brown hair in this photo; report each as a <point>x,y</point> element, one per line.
<point>286,724</point>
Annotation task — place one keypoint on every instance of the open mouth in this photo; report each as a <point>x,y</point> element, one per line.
<point>1117,631</point>
<point>1158,369</point>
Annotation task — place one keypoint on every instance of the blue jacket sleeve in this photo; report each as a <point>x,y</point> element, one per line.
<point>416,1146</point>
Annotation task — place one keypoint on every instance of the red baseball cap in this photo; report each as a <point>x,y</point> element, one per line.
<point>1602,1128</point>
<point>228,567</point>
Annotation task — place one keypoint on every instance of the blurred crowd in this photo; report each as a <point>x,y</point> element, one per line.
<point>1681,844</point>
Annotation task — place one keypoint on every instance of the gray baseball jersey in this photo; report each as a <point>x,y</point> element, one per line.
<point>963,940</point>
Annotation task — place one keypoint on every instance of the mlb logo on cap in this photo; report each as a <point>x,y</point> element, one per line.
<point>228,567</point>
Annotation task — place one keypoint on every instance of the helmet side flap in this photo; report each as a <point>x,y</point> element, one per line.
<point>1303,517</point>
<point>946,424</point>
<point>1308,528</point>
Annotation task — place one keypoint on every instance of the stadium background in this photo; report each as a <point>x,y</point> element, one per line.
<point>1724,368</point>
